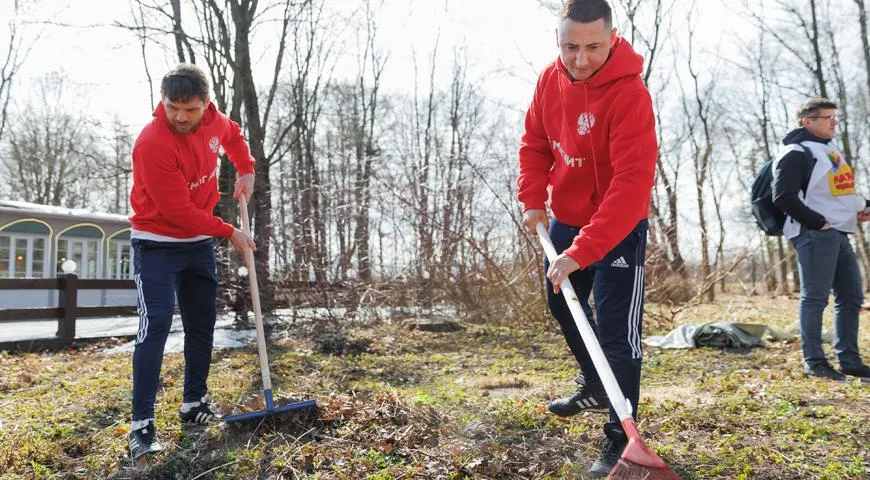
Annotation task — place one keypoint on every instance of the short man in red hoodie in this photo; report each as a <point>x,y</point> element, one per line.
<point>590,148</point>
<point>175,190</point>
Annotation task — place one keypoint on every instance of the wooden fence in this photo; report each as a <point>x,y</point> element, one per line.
<point>66,312</point>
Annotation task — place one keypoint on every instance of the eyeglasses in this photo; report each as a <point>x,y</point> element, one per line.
<point>823,117</point>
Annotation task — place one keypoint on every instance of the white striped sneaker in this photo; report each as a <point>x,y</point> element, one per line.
<point>200,414</point>
<point>144,441</point>
<point>584,399</point>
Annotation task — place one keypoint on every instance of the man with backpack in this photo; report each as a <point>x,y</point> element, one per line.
<point>814,186</point>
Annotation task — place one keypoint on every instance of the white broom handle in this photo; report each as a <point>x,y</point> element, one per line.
<point>255,297</point>
<point>620,404</point>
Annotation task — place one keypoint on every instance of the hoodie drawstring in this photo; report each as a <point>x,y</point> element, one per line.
<point>591,145</point>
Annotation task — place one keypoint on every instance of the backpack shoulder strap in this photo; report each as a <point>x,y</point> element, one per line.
<point>785,149</point>
<point>811,163</point>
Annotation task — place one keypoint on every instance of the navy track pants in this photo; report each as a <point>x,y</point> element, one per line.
<point>164,272</point>
<point>617,284</point>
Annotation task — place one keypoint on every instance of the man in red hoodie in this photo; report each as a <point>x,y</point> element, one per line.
<point>590,148</point>
<point>175,190</point>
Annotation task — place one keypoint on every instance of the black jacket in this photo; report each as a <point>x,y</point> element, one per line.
<point>791,176</point>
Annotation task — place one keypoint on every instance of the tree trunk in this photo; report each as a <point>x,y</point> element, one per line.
<point>861,236</point>
<point>784,263</point>
<point>769,268</point>
<point>817,52</point>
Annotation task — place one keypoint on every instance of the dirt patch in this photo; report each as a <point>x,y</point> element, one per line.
<point>686,394</point>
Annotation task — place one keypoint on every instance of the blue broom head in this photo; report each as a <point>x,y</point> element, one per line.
<point>290,407</point>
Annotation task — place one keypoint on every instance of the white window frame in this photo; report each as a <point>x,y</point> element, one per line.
<point>28,254</point>
<point>81,264</point>
<point>119,246</point>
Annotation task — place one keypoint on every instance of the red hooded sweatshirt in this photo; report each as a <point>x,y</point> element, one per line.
<point>590,146</point>
<point>175,174</point>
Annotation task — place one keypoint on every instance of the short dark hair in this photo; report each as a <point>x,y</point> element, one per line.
<point>184,83</point>
<point>587,11</point>
<point>811,106</point>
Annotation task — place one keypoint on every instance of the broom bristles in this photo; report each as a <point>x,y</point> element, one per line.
<point>638,462</point>
<point>627,470</point>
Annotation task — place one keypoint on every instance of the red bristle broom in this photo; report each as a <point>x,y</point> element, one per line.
<point>637,462</point>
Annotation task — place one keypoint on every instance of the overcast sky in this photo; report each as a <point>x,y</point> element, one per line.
<point>508,42</point>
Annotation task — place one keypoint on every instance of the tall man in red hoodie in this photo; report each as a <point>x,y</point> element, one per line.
<point>175,190</point>
<point>590,148</point>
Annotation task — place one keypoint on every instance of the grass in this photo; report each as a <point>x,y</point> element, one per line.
<point>468,404</point>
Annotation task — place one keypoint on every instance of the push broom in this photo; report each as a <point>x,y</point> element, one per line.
<point>638,462</point>
<point>270,409</point>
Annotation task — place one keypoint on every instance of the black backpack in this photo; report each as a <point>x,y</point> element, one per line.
<point>769,217</point>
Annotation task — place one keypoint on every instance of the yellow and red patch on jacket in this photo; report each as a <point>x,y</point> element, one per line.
<point>841,178</point>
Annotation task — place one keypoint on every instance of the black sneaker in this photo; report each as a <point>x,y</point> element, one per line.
<point>200,414</point>
<point>824,370</point>
<point>144,441</point>
<point>591,399</point>
<point>862,372</point>
<point>611,449</point>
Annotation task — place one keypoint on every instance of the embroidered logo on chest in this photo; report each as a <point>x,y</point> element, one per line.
<point>214,144</point>
<point>585,122</point>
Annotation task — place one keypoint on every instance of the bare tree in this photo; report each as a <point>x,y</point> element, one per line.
<point>312,71</point>
<point>118,167</point>
<point>465,113</point>
<point>861,237</point>
<point>50,150</point>
<point>846,121</point>
<point>137,13</point>
<point>242,19</point>
<point>13,59</point>
<point>758,124</point>
<point>697,108</point>
<point>647,25</point>
<point>648,38</point>
<point>353,137</point>
<point>423,146</point>
<point>865,40</point>
<point>372,62</point>
<point>808,22</point>
<point>801,35</point>
<point>182,43</point>
<point>225,42</point>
